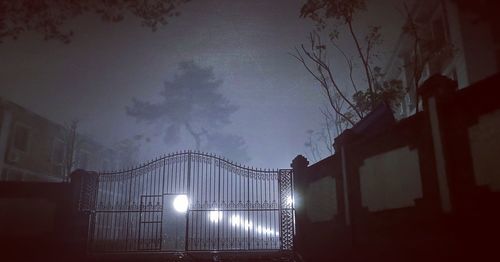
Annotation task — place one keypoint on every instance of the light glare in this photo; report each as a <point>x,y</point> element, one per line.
<point>181,203</point>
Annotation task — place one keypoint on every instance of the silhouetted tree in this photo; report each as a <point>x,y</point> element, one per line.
<point>346,104</point>
<point>49,17</point>
<point>191,103</point>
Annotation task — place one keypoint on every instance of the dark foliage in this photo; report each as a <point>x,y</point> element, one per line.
<point>49,17</point>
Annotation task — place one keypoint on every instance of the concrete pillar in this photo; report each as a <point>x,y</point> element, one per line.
<point>299,166</point>
<point>84,186</point>
<point>434,89</point>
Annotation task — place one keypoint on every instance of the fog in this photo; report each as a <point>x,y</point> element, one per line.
<point>246,44</point>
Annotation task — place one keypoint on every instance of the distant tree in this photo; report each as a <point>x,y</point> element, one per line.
<point>127,152</point>
<point>49,17</point>
<point>227,145</point>
<point>192,104</point>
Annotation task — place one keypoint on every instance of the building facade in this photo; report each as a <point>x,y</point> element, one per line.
<point>452,42</point>
<point>33,148</point>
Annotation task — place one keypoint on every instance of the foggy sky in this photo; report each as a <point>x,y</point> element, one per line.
<point>246,42</point>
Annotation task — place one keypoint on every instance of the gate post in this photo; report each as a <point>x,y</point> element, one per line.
<point>84,187</point>
<point>299,166</point>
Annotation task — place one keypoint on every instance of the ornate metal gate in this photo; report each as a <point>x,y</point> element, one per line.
<point>192,201</point>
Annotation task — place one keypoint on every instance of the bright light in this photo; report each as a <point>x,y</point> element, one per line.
<point>248,225</point>
<point>235,220</point>
<point>215,216</point>
<point>289,200</point>
<point>181,203</point>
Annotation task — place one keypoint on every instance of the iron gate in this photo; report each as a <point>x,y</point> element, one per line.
<point>192,201</point>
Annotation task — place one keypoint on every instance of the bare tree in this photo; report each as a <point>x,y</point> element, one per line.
<point>347,103</point>
<point>49,17</point>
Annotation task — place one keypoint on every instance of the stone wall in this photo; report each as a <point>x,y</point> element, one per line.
<point>423,187</point>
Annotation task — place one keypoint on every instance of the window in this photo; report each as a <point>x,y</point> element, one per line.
<point>21,138</point>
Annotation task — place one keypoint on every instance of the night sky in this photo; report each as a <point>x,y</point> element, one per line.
<point>96,76</point>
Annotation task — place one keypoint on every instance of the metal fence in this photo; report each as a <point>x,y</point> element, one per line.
<point>191,201</point>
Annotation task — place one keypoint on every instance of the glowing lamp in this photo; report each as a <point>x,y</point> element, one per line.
<point>181,203</point>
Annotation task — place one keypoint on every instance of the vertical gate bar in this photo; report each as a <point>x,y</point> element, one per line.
<point>123,208</point>
<point>277,216</point>
<point>230,203</point>
<point>242,207</point>
<point>219,211</point>
<point>108,190</point>
<point>137,206</point>
<point>128,208</point>
<point>204,176</point>
<point>96,214</point>
<point>109,214</point>
<point>293,204</point>
<point>259,214</point>
<point>118,214</point>
<point>280,214</point>
<point>223,205</point>
<point>104,216</point>
<point>197,193</point>
<point>112,212</point>
<point>201,187</point>
<point>209,183</point>
<point>248,208</point>
<point>173,172</point>
<point>147,214</point>
<point>183,187</point>
<point>150,192</point>
<point>213,204</point>
<point>162,203</point>
<point>254,206</point>
<point>156,205</point>
<point>151,213</point>
<point>140,186</point>
<point>174,181</point>
<point>206,188</point>
<point>268,213</point>
<point>188,211</point>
